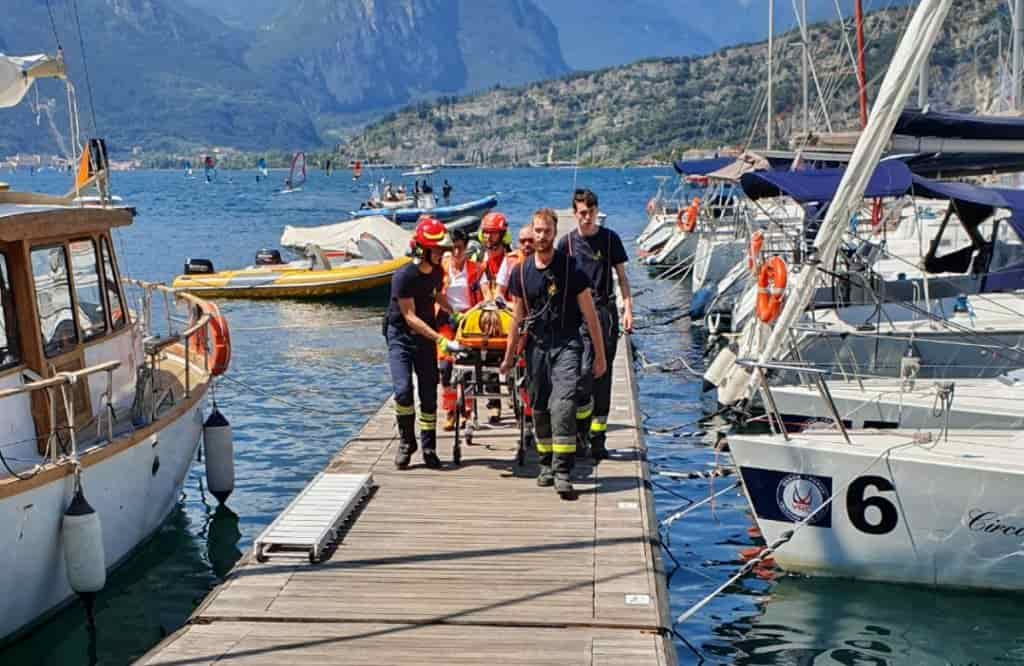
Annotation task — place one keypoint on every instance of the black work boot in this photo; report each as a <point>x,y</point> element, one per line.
<point>407,437</point>
<point>546,478</point>
<point>428,439</point>
<point>598,451</point>
<point>562,466</point>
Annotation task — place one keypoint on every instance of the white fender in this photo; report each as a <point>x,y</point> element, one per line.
<point>220,456</point>
<point>82,538</point>
<point>719,368</point>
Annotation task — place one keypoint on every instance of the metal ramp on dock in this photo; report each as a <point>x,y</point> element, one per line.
<point>311,522</point>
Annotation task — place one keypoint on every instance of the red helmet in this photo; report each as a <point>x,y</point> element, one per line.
<point>431,233</point>
<point>494,222</point>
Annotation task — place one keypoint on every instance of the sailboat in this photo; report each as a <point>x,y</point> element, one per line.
<point>296,175</point>
<point>102,411</point>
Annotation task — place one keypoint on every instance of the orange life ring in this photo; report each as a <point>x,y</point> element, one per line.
<point>218,338</point>
<point>689,223</point>
<point>771,287</point>
<point>754,251</point>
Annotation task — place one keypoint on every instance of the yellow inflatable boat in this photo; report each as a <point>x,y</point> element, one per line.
<point>339,260</point>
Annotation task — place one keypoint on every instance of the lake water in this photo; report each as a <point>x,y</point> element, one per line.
<point>328,359</point>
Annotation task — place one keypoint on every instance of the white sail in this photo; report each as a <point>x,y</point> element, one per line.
<point>18,72</point>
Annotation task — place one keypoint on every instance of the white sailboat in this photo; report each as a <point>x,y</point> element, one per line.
<point>100,413</point>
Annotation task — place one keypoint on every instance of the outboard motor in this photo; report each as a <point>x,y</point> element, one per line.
<point>198,266</point>
<point>268,257</point>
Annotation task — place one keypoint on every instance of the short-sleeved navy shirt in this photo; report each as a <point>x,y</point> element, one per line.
<point>551,291</point>
<point>422,288</point>
<point>596,256</point>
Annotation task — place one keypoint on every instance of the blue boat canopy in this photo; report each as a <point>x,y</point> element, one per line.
<point>701,167</point>
<point>975,204</point>
<point>949,125</point>
<point>891,178</point>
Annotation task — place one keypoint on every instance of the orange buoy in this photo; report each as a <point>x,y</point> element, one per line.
<point>771,287</point>
<point>217,334</point>
<point>754,251</point>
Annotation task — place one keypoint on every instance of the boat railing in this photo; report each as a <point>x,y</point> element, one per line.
<point>155,343</point>
<point>65,381</point>
<point>814,373</point>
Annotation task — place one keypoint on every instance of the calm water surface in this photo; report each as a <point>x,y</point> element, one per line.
<point>327,361</point>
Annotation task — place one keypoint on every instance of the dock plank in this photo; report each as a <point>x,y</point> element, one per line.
<point>463,565</point>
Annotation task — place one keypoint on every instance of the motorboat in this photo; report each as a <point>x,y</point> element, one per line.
<point>102,407</point>
<point>409,215</point>
<point>335,260</point>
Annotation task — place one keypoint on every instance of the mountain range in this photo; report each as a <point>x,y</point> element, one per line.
<point>187,75</point>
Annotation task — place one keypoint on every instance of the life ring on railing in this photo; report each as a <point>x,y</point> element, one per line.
<point>689,222</point>
<point>219,339</point>
<point>771,287</point>
<point>754,251</point>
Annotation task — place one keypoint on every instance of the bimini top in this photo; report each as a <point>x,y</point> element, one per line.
<point>948,125</point>
<point>701,167</point>
<point>891,178</point>
<point>974,204</point>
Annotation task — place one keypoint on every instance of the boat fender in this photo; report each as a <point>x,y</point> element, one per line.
<point>723,363</point>
<point>220,455</point>
<point>734,388</point>
<point>198,266</point>
<point>700,301</point>
<point>82,537</point>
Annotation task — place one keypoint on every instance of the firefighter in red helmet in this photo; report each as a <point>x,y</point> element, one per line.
<point>413,341</point>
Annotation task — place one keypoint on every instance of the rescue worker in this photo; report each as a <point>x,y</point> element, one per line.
<point>513,259</point>
<point>496,239</point>
<point>598,252</point>
<point>462,289</point>
<point>552,301</point>
<point>410,329</point>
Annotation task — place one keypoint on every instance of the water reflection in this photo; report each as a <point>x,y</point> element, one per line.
<point>823,621</point>
<point>222,538</point>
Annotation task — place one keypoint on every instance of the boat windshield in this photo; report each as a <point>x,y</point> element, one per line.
<point>53,299</point>
<point>9,354</point>
<point>1007,249</point>
<point>371,249</point>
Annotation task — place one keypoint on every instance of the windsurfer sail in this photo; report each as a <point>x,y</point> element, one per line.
<point>261,169</point>
<point>296,175</point>
<point>188,168</point>
<point>210,168</point>
<point>357,170</point>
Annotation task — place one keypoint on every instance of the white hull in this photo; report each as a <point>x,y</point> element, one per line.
<point>939,513</point>
<point>679,248</point>
<point>130,491</point>
<point>992,404</point>
<point>713,259</point>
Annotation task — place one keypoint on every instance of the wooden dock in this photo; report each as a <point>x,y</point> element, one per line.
<point>467,565</point>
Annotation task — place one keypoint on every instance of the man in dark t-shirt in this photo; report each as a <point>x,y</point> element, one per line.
<point>600,255</point>
<point>411,332</point>
<point>552,300</point>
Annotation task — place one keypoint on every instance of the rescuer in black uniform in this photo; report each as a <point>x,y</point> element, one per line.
<point>552,301</point>
<point>598,252</point>
<point>411,332</point>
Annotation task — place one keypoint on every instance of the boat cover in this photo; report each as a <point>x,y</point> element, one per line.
<point>345,236</point>
<point>891,178</point>
<point>949,125</point>
<point>702,167</point>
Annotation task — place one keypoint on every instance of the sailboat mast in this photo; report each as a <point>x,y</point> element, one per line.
<point>1018,43</point>
<point>862,78</point>
<point>806,67</point>
<point>771,74</point>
